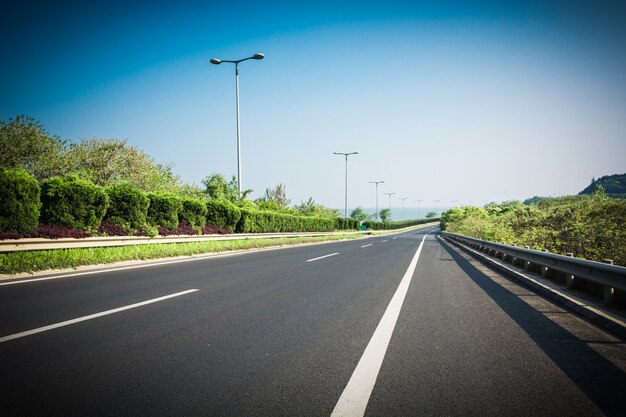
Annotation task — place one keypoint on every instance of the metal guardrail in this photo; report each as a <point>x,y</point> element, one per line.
<point>30,244</point>
<point>610,276</point>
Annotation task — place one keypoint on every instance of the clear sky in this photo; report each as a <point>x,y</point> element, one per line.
<point>449,100</point>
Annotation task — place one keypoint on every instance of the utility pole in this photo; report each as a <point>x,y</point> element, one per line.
<point>419,208</point>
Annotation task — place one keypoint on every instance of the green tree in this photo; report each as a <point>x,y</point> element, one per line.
<point>385,215</point>
<point>111,161</point>
<point>277,195</point>
<point>431,214</point>
<point>360,215</point>
<point>26,144</point>
<point>311,208</point>
<point>218,188</point>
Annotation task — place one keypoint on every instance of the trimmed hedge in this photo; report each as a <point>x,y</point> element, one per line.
<point>19,201</point>
<point>193,212</point>
<point>255,221</point>
<point>396,225</point>
<point>163,210</point>
<point>128,206</point>
<point>72,202</point>
<point>222,214</point>
<point>346,224</point>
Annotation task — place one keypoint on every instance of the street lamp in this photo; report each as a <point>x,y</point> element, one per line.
<point>346,155</point>
<point>436,205</point>
<point>236,62</point>
<point>377,182</point>
<point>419,208</point>
<point>389,194</point>
<point>403,199</point>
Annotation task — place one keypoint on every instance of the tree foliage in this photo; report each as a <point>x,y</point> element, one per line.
<point>217,188</point>
<point>26,144</point>
<point>19,205</point>
<point>385,215</point>
<point>360,215</point>
<point>591,227</point>
<point>613,186</point>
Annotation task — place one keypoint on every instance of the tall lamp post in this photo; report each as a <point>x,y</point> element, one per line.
<point>403,200</point>
<point>419,208</point>
<point>389,194</point>
<point>236,62</point>
<point>436,206</point>
<point>346,155</point>
<point>377,182</point>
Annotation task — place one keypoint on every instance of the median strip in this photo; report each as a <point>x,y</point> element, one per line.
<point>355,396</point>
<point>91,316</point>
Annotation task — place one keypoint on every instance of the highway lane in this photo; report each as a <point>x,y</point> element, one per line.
<point>268,333</point>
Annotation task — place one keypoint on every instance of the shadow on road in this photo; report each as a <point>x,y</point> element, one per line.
<point>598,378</point>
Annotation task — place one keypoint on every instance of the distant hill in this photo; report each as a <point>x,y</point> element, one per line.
<point>614,185</point>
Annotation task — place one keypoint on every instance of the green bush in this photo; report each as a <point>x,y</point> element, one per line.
<point>346,224</point>
<point>19,201</point>
<point>396,225</point>
<point>128,206</point>
<point>193,212</point>
<point>256,221</point>
<point>591,227</point>
<point>222,213</point>
<point>163,210</point>
<point>72,202</point>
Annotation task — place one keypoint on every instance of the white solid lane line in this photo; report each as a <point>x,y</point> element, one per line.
<point>365,246</point>
<point>91,316</point>
<point>385,241</point>
<point>355,396</point>
<point>322,257</point>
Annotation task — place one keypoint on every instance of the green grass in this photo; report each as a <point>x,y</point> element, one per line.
<point>31,261</point>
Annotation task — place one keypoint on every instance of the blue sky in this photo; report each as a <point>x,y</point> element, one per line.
<point>448,100</point>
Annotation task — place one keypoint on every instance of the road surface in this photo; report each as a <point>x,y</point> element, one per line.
<point>394,325</point>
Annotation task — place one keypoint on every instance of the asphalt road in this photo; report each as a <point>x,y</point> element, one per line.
<point>283,332</point>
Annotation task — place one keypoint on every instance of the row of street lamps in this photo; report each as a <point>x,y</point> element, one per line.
<point>259,56</point>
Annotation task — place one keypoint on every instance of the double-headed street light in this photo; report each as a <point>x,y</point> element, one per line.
<point>377,182</point>
<point>389,194</point>
<point>403,200</point>
<point>419,208</point>
<point>346,155</point>
<point>236,62</point>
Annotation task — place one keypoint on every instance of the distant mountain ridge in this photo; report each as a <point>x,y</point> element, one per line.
<point>614,185</point>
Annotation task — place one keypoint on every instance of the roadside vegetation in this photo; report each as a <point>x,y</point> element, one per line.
<point>589,226</point>
<point>54,188</point>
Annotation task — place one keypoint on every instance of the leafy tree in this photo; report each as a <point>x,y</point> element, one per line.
<point>385,215</point>
<point>26,144</point>
<point>277,195</point>
<point>311,208</point>
<point>431,214</point>
<point>360,215</point>
<point>111,161</point>
<point>216,187</point>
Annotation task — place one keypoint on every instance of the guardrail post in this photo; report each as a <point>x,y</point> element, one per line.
<point>609,292</point>
<point>527,263</point>
<point>569,278</point>
<point>544,269</point>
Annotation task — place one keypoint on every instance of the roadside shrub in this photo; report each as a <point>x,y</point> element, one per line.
<point>128,206</point>
<point>346,224</point>
<point>163,210</point>
<point>254,221</point>
<point>49,231</point>
<point>183,229</point>
<point>222,214</point>
<point>193,212</point>
<point>212,230</point>
<point>19,201</point>
<point>72,202</point>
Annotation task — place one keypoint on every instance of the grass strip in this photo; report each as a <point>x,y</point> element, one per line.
<point>31,261</point>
